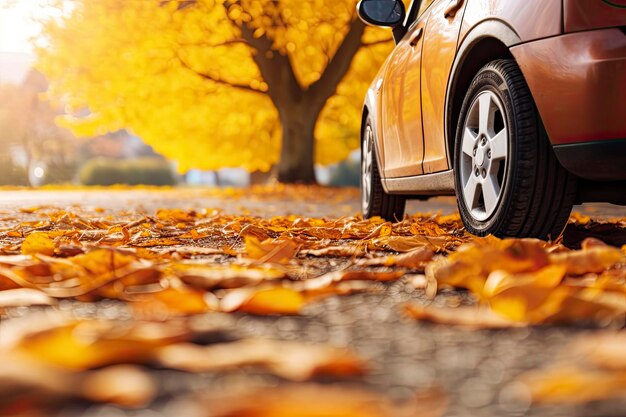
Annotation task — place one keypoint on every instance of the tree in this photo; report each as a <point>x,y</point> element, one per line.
<point>218,83</point>
<point>29,135</point>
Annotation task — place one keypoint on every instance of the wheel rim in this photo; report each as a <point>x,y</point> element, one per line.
<point>484,155</point>
<point>367,161</point>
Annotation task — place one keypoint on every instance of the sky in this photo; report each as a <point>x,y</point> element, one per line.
<point>18,23</point>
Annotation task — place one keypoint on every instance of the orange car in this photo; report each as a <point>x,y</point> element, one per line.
<point>517,105</point>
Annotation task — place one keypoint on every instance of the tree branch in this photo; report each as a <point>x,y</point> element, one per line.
<point>276,69</point>
<point>338,66</point>
<point>182,4</point>
<point>244,87</point>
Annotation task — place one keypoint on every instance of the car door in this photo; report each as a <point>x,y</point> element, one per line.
<point>402,124</point>
<point>438,52</point>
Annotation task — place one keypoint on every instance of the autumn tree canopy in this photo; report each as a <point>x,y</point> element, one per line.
<point>218,83</point>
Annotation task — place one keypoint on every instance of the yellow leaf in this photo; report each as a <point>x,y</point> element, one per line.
<point>471,317</point>
<point>38,243</point>
<point>94,343</point>
<point>274,300</point>
<point>272,251</point>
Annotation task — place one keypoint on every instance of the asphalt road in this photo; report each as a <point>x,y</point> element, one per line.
<point>198,198</point>
<point>476,369</point>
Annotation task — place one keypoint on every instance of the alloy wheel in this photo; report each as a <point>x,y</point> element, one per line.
<point>484,146</point>
<point>367,161</point>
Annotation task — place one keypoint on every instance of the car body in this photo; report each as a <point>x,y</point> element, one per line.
<point>572,57</point>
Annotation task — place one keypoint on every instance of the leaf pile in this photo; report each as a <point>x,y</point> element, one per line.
<point>63,357</point>
<point>527,282</point>
<point>171,264</point>
<point>176,263</point>
<point>179,262</point>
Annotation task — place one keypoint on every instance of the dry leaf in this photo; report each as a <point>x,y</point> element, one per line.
<point>93,343</point>
<point>232,276</point>
<point>290,360</point>
<point>331,278</point>
<point>591,368</point>
<point>123,385</point>
<point>38,243</point>
<point>262,301</point>
<point>409,243</point>
<point>171,302</point>
<point>574,385</point>
<point>271,251</point>
<point>24,297</point>
<point>324,400</point>
<point>604,350</point>
<point>414,259</point>
<point>471,317</point>
<point>594,259</point>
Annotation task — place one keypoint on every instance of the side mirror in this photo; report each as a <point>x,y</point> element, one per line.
<point>382,12</point>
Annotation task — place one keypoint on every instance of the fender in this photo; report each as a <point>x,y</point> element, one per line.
<point>371,107</point>
<point>494,29</point>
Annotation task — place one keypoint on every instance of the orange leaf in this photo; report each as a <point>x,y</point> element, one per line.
<point>273,300</point>
<point>272,251</point>
<point>471,317</point>
<point>93,343</point>
<point>325,400</point>
<point>331,278</point>
<point>592,260</point>
<point>170,302</point>
<point>290,360</point>
<point>38,243</point>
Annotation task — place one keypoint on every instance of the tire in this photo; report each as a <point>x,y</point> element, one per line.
<point>374,200</point>
<point>508,180</point>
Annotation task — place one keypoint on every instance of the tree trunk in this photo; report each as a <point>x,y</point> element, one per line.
<point>297,155</point>
<point>261,178</point>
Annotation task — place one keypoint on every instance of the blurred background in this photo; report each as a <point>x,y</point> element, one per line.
<point>199,92</point>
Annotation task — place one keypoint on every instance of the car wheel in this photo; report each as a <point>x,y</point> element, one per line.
<point>374,200</point>
<point>508,180</point>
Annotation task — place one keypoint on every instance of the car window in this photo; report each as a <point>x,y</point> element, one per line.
<point>414,14</point>
<point>425,4</point>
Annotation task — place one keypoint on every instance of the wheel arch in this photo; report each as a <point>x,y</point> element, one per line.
<point>369,108</point>
<point>488,41</point>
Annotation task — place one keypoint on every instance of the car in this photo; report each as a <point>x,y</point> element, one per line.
<point>517,107</point>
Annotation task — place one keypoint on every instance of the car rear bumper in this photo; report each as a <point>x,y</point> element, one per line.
<point>578,81</point>
<point>597,161</point>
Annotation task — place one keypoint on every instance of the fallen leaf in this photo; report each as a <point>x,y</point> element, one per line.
<point>271,251</point>
<point>414,259</point>
<point>594,259</point>
<point>604,350</point>
<point>24,297</point>
<point>87,344</point>
<point>171,302</point>
<point>175,215</point>
<point>38,243</point>
<point>231,276</point>
<point>290,360</point>
<point>262,301</point>
<point>573,385</point>
<point>470,317</point>
<point>409,243</point>
<point>123,385</point>
<point>347,251</point>
<point>331,278</point>
<point>323,400</point>
<point>47,385</point>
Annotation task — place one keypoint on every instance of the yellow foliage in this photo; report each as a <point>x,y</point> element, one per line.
<point>166,70</point>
